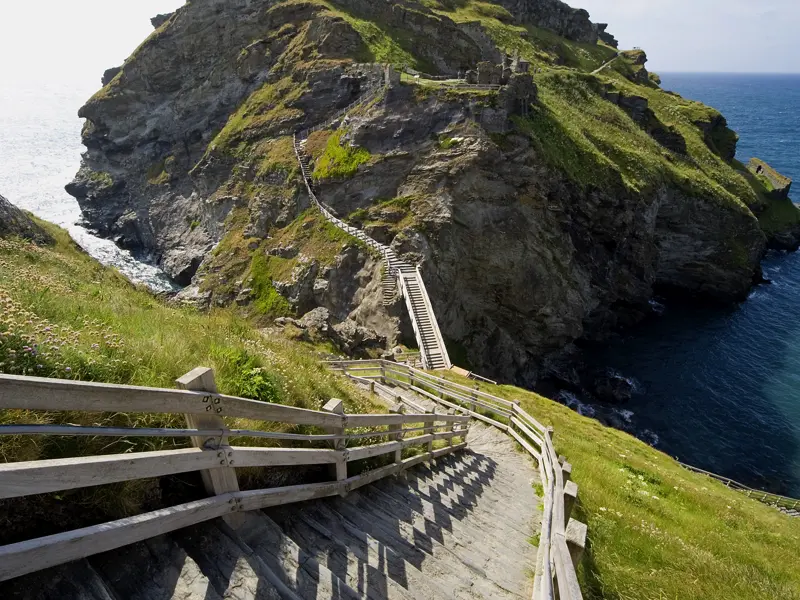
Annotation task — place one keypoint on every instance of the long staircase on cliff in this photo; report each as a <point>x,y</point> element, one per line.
<point>398,273</point>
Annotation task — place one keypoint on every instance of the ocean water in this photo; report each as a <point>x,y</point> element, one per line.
<point>720,389</point>
<point>40,152</point>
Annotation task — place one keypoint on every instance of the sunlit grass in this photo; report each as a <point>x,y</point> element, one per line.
<point>657,530</point>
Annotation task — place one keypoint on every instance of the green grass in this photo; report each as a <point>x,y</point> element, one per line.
<point>657,530</point>
<point>537,45</point>
<point>597,144</point>
<point>340,160</point>
<point>265,110</point>
<point>63,315</point>
<point>246,260</point>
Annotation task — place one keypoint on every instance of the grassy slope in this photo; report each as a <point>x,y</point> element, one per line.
<point>64,315</point>
<point>657,530</point>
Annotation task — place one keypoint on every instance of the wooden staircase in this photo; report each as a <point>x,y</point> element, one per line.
<point>412,286</point>
<point>458,529</point>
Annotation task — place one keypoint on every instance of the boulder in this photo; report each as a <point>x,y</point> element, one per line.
<point>159,20</point>
<point>610,386</point>
<point>109,74</point>
<point>16,222</point>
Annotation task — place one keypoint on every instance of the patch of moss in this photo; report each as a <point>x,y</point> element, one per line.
<point>535,44</point>
<point>267,301</point>
<point>340,160</point>
<point>101,179</point>
<point>268,109</point>
<point>157,173</point>
<point>445,142</point>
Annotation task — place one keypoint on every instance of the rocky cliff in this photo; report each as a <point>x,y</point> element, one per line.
<point>541,214</point>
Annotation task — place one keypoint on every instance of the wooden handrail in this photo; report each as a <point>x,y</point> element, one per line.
<point>555,571</point>
<point>212,457</point>
<point>760,495</point>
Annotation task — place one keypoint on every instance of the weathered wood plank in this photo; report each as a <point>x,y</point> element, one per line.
<point>44,476</point>
<point>524,443</point>
<point>529,419</point>
<point>36,393</point>
<point>566,578</point>
<point>383,420</point>
<point>339,470</point>
<point>258,499</point>
<point>281,457</point>
<point>363,479</point>
<point>527,431</point>
<point>41,553</point>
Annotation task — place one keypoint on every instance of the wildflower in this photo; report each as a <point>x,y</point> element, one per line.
<point>68,370</point>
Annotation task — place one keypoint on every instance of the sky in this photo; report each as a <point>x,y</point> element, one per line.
<point>76,40</point>
<point>706,35</point>
<point>72,40</point>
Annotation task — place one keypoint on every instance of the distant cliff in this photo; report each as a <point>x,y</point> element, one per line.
<point>539,221</point>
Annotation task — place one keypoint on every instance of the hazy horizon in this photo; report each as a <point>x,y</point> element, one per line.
<point>77,41</point>
<point>705,36</point>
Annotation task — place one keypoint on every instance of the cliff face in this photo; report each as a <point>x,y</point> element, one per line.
<point>537,222</point>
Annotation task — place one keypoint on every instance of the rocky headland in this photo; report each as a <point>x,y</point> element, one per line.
<point>542,214</point>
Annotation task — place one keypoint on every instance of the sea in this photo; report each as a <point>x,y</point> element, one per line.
<point>716,388</point>
<point>40,152</point>
<point>720,388</point>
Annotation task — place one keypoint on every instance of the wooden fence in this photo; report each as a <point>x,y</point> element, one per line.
<point>562,539</point>
<point>760,495</point>
<point>205,411</point>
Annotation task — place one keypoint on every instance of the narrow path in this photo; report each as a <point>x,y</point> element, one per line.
<point>605,64</point>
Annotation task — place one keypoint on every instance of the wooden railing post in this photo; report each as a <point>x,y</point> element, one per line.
<point>222,480</point>
<point>570,497</point>
<point>336,406</point>
<point>397,431</point>
<point>429,424</point>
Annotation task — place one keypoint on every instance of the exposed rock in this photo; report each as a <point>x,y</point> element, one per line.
<point>350,337</point>
<point>778,186</point>
<point>159,20</point>
<point>637,107</point>
<point>606,37</point>
<point>566,21</point>
<point>613,387</point>
<point>718,136</point>
<point>15,222</point>
<point>189,147</point>
<point>109,74</point>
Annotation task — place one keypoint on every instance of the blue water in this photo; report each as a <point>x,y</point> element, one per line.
<point>721,388</point>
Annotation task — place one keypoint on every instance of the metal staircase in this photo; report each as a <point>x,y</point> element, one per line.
<point>423,319</point>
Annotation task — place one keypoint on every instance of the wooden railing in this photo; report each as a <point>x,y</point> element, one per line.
<point>772,499</point>
<point>562,539</point>
<point>205,411</point>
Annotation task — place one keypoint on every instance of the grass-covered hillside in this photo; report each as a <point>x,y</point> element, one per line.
<point>64,315</point>
<point>659,531</point>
